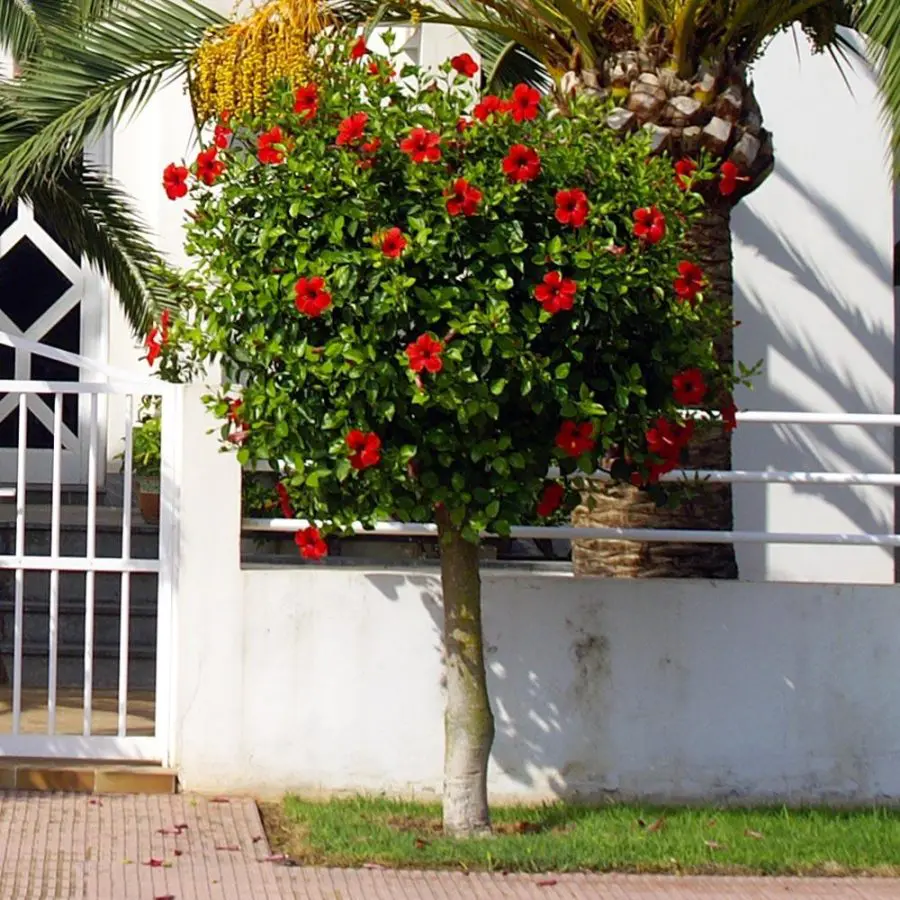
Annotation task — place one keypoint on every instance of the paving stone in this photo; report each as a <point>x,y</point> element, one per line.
<point>77,847</point>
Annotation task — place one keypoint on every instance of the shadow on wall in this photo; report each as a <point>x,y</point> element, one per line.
<point>823,349</point>
<point>677,691</point>
<point>538,715</point>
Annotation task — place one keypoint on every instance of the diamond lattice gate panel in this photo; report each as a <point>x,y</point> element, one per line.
<point>46,295</point>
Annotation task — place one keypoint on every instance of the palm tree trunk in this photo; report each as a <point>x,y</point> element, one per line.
<point>623,506</point>
<point>714,111</point>
<point>468,720</point>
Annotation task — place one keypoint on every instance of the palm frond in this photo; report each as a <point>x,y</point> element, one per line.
<point>72,89</point>
<point>20,30</point>
<point>95,217</point>
<point>23,22</point>
<point>880,21</point>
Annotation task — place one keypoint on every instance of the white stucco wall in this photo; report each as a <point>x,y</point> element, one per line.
<point>813,273</point>
<point>319,679</point>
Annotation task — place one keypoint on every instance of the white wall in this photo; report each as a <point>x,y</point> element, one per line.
<point>813,252</point>
<point>319,679</point>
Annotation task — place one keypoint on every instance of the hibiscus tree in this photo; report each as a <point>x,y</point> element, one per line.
<point>428,318</point>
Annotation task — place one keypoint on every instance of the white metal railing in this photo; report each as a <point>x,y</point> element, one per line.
<point>29,394</point>
<point>566,532</point>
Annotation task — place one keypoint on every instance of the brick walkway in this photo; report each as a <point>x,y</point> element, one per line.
<point>75,847</point>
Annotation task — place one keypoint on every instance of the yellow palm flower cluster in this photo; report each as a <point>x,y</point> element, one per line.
<point>235,67</point>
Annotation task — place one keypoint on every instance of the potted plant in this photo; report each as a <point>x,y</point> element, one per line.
<point>145,443</point>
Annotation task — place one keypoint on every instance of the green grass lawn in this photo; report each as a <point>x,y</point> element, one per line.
<point>559,837</point>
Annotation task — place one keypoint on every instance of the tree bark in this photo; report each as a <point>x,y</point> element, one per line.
<point>468,720</point>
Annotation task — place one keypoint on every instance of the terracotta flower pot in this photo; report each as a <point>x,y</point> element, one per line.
<point>148,498</point>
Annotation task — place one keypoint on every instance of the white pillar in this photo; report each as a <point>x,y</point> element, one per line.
<point>204,524</point>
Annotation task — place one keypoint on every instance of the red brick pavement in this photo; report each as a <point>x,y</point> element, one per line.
<point>75,847</point>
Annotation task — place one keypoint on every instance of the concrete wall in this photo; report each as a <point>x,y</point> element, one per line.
<point>317,679</point>
<point>813,251</point>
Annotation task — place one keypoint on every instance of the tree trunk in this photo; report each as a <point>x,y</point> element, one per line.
<point>716,112</point>
<point>623,506</point>
<point>468,720</point>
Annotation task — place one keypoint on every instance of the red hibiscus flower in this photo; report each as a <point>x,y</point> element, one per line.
<point>464,64</point>
<point>306,100</point>
<point>571,207</point>
<point>157,337</point>
<point>208,167</point>
<point>575,438</point>
<point>462,198</point>
<point>234,408</point>
<point>550,499</point>
<point>359,49</point>
<point>684,171</point>
<point>175,181</point>
<point>667,439</point>
<point>267,147</point>
<point>728,412</point>
<point>352,129</point>
<point>222,135</point>
<point>649,225</point>
<point>525,102</point>
<point>731,176</point>
<point>490,105</point>
<point>689,387</point>
<point>522,163</point>
<point>689,282</point>
<point>425,353</point>
<point>422,145</point>
<point>285,501</point>
<point>311,297</point>
<point>365,449</point>
<point>393,243</point>
<point>369,149</point>
<point>556,293</point>
<point>311,543</point>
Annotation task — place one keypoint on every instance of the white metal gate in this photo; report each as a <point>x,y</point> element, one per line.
<point>80,736</point>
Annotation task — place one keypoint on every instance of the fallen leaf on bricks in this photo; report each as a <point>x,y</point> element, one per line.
<point>153,862</point>
<point>173,830</point>
<point>715,845</point>
<point>179,852</point>
<point>756,835</point>
<point>547,882</point>
<point>95,802</point>
<point>257,839</point>
<point>658,825</point>
<point>181,827</point>
<point>230,847</point>
<point>165,897</point>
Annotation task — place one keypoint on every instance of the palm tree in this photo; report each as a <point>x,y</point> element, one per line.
<point>679,69</point>
<point>83,66</point>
